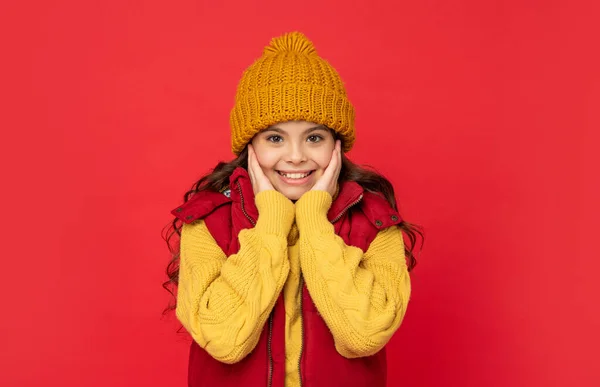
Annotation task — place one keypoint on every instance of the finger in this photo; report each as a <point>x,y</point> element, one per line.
<point>330,170</point>
<point>339,156</point>
<point>256,167</point>
<point>261,180</point>
<point>336,157</point>
<point>255,163</point>
<point>251,163</point>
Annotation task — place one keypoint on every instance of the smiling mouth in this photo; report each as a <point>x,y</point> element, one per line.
<point>295,175</point>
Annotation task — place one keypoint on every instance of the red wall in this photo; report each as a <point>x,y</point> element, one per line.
<point>484,115</point>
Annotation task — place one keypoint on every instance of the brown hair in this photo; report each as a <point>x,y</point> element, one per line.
<point>218,180</point>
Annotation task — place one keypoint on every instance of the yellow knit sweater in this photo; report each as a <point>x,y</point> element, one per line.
<point>224,302</point>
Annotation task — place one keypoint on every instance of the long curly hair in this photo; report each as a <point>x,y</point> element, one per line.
<point>218,180</point>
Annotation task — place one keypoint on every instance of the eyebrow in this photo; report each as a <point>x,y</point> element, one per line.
<point>281,131</point>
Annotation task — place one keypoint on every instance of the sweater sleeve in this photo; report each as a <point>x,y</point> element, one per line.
<point>224,302</point>
<point>362,296</point>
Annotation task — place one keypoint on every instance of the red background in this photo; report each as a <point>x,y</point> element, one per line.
<point>483,114</point>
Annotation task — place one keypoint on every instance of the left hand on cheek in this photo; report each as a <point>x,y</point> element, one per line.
<point>329,181</point>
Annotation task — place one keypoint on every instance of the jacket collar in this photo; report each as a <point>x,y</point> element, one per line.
<point>240,184</point>
<point>375,207</point>
<point>242,191</point>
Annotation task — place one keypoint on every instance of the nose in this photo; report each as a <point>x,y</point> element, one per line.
<point>296,154</point>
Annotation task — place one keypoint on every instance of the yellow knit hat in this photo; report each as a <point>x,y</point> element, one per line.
<point>290,82</point>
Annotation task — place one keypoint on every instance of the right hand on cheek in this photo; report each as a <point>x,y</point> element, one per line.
<point>259,181</point>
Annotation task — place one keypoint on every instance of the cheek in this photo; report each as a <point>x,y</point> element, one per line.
<point>266,160</point>
<point>267,164</point>
<point>322,159</point>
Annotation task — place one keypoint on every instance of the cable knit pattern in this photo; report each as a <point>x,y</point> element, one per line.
<point>224,302</point>
<point>293,319</point>
<point>361,296</point>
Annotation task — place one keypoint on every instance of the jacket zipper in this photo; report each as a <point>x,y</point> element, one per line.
<point>269,350</point>
<point>270,354</point>
<point>347,208</point>
<point>301,330</point>
<point>242,202</point>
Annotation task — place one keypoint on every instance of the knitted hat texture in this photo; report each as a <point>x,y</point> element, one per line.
<point>290,82</point>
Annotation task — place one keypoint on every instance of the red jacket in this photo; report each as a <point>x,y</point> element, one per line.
<point>320,364</point>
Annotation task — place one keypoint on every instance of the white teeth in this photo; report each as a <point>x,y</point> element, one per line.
<point>294,175</point>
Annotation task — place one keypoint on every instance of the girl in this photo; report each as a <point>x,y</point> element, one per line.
<point>291,269</point>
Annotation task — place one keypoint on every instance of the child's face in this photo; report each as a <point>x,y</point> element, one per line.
<point>288,151</point>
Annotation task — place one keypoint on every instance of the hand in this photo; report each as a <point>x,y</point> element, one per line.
<point>329,181</point>
<point>259,181</point>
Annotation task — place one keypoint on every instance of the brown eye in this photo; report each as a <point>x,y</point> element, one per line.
<point>315,138</point>
<point>275,139</point>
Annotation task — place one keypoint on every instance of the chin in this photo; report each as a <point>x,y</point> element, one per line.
<point>293,194</point>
